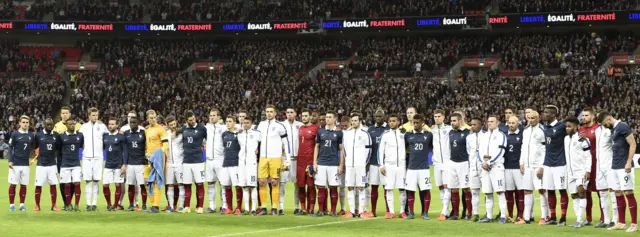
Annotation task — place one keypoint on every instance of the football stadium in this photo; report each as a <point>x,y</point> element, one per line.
<point>319,118</point>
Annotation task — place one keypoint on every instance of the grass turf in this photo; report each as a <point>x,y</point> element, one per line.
<point>121,223</point>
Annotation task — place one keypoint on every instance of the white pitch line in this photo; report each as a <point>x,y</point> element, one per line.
<point>293,227</point>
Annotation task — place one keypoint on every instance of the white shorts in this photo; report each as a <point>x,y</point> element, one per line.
<point>602,180</point>
<point>458,175</point>
<point>475,174</point>
<point>70,175</point>
<point>513,178</point>
<point>91,169</point>
<point>193,173</point>
<point>418,178</point>
<point>620,180</point>
<point>493,180</point>
<point>46,175</point>
<point>554,178</point>
<point>213,170</point>
<point>113,176</point>
<point>327,176</point>
<point>395,178</point>
<point>289,175</point>
<point>248,176</point>
<point>375,178</point>
<point>19,175</point>
<point>355,176</point>
<point>574,183</point>
<point>135,175</point>
<point>229,176</point>
<point>530,180</point>
<point>174,174</point>
<point>439,174</point>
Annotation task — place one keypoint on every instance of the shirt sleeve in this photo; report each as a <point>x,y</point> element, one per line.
<point>340,134</point>
<point>318,137</point>
<point>624,130</point>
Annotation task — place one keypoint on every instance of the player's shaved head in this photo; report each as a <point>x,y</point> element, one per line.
<point>512,123</point>
<point>418,122</point>
<point>379,117</point>
<point>48,124</point>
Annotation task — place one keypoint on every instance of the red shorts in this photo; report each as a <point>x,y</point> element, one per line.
<point>302,177</point>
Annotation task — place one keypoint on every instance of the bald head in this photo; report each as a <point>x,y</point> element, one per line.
<point>513,123</point>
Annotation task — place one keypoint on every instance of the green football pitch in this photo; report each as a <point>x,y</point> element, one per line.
<point>121,223</point>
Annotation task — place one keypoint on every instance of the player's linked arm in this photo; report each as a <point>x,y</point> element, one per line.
<point>632,149</point>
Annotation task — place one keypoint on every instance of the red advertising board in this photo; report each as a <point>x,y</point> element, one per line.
<point>475,62</point>
<point>77,66</point>
<point>208,66</point>
<point>624,60</point>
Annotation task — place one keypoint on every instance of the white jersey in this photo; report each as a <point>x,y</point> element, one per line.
<point>126,127</point>
<point>176,150</point>
<point>492,143</point>
<point>357,144</point>
<point>273,136</point>
<point>578,154</point>
<point>533,148</point>
<point>391,150</point>
<point>473,144</point>
<point>93,143</point>
<point>604,148</point>
<point>248,141</point>
<point>215,148</point>
<point>441,148</point>
<point>293,130</point>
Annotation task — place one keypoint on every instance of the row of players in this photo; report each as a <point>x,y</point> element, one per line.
<point>459,166</point>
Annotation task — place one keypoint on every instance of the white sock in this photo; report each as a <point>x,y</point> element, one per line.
<point>352,200</point>
<point>441,195</point>
<point>296,198</point>
<point>12,205</point>
<point>223,197</point>
<point>181,196</point>
<point>581,208</point>
<point>403,200</point>
<point>170,196</point>
<point>96,193</point>
<point>446,199</point>
<point>604,203</point>
<point>489,205</point>
<point>283,187</point>
<point>475,201</point>
<point>245,196</point>
<point>367,198</point>
<point>614,207</point>
<point>528,205</point>
<point>390,201</point>
<point>502,204</point>
<point>211,190</point>
<point>254,198</point>
<point>343,195</point>
<point>362,200</point>
<point>88,190</point>
<point>544,206</point>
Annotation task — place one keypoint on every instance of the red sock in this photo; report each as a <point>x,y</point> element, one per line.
<point>326,201</point>
<point>520,203</point>
<point>551,195</point>
<point>77,192</point>
<point>228,195</point>
<point>589,206</point>
<point>467,200</point>
<point>455,198</point>
<point>322,192</point>
<point>132,193</point>
<point>600,205</point>
<point>38,193</point>
<point>143,193</point>
<point>374,198</point>
<point>510,203</point>
<point>564,203</point>
<point>67,193</point>
<point>239,198</point>
<point>107,194</point>
<point>187,196</point>
<point>633,208</point>
<point>176,195</point>
<point>426,201</point>
<point>12,194</point>
<point>302,195</point>
<point>200,197</point>
<point>23,193</point>
<point>622,206</point>
<point>384,193</point>
<point>311,198</point>
<point>54,195</point>
<point>118,193</point>
<point>334,198</point>
<point>411,196</point>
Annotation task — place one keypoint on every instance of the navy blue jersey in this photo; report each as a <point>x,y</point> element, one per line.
<point>71,144</point>
<point>115,146</point>
<point>514,148</point>
<point>49,145</point>
<point>458,145</point>
<point>231,149</point>
<point>192,142</point>
<point>20,145</point>
<point>621,131</point>
<point>375,132</point>
<point>136,146</point>
<point>420,144</point>
<point>554,134</point>
<point>329,152</point>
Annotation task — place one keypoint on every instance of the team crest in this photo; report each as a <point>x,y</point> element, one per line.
<point>140,136</point>
<point>309,131</point>
<point>554,131</point>
<point>425,137</point>
<point>250,136</point>
<point>196,131</point>
<point>116,139</point>
<point>517,139</point>
<point>273,128</point>
<point>77,138</point>
<point>335,135</point>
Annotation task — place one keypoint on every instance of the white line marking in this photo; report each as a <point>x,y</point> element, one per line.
<point>293,227</point>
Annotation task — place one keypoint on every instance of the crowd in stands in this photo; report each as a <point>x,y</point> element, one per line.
<point>6,9</point>
<point>102,10</point>
<point>14,61</point>
<point>516,6</point>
